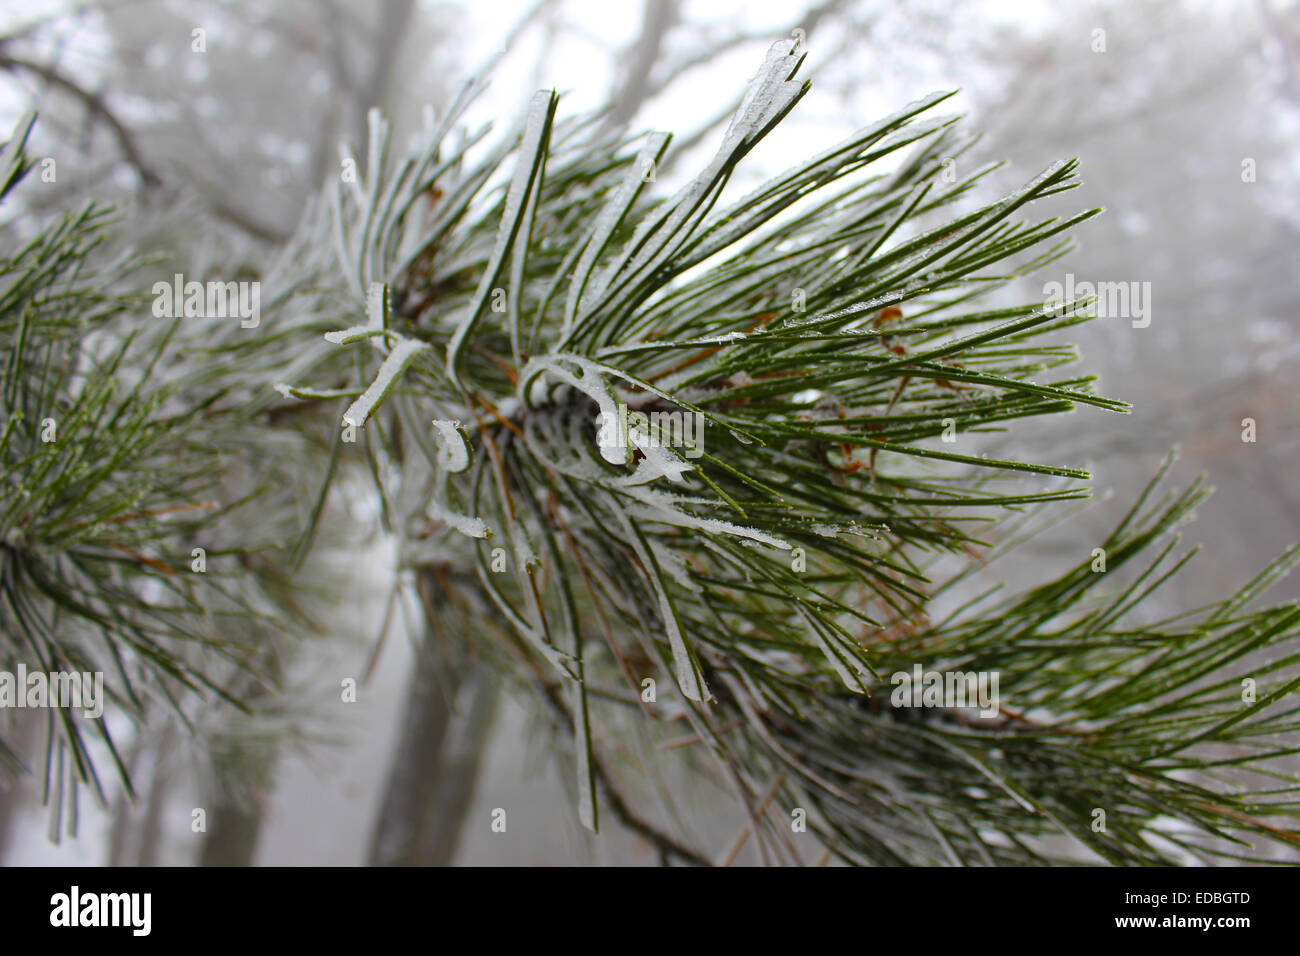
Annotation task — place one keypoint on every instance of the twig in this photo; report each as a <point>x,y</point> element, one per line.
<point>96,105</point>
<point>667,845</point>
<point>763,803</point>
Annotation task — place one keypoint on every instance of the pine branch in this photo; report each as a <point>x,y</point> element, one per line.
<point>825,330</point>
<point>116,476</point>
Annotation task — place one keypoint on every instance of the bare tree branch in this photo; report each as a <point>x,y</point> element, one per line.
<point>95,103</point>
<point>658,17</point>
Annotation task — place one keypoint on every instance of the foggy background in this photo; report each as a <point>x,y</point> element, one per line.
<point>1186,116</point>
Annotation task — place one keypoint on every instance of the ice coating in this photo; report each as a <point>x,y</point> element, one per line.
<point>376,305</point>
<point>611,214</point>
<point>293,391</point>
<point>354,334</point>
<point>467,525</point>
<point>658,506</point>
<point>453,451</point>
<point>674,565</point>
<point>526,177</point>
<point>686,668</point>
<point>590,384</point>
<point>394,365</point>
<point>659,461</point>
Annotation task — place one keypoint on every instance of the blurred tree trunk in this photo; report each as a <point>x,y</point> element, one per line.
<point>657,18</point>
<point>156,802</point>
<point>135,835</point>
<point>450,704</point>
<point>393,23</point>
<point>233,834</point>
<point>13,791</point>
<point>235,811</point>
